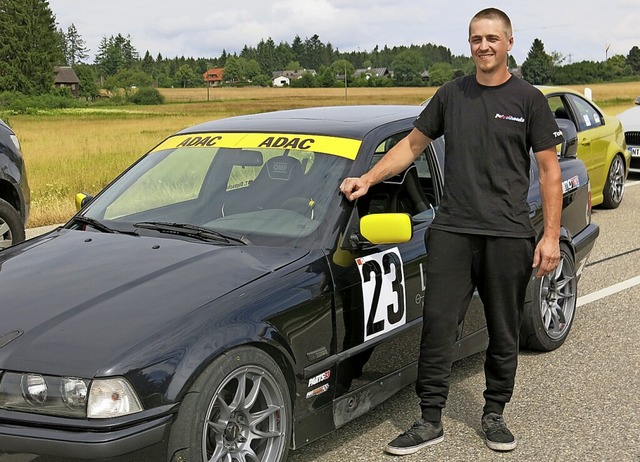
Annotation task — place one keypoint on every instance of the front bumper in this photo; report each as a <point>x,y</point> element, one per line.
<point>140,440</point>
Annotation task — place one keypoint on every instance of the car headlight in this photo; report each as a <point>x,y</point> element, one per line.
<point>68,396</point>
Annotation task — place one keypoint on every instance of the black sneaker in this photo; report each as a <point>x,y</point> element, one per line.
<point>496,433</point>
<point>420,435</point>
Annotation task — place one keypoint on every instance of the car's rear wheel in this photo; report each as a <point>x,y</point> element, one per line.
<point>614,186</point>
<point>11,227</point>
<point>239,409</point>
<point>548,315</point>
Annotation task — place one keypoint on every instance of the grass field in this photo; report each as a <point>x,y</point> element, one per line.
<point>81,150</point>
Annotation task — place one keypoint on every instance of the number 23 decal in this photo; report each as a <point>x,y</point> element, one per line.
<point>383,292</point>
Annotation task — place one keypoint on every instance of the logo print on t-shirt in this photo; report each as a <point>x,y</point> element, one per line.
<point>509,117</point>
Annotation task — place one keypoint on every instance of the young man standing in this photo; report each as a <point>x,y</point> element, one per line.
<point>482,236</point>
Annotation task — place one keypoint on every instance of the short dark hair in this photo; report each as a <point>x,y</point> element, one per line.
<point>494,14</point>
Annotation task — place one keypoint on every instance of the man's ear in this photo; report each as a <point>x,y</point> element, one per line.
<point>510,43</point>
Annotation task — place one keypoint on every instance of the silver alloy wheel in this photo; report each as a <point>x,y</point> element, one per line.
<point>616,179</point>
<point>246,420</point>
<point>6,237</point>
<point>558,299</point>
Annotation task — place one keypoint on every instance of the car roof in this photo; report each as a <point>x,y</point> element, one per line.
<point>548,89</point>
<point>343,121</point>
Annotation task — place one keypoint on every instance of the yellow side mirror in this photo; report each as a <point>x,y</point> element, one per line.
<point>82,199</point>
<point>386,228</point>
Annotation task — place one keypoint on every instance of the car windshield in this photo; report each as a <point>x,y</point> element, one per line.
<point>264,195</point>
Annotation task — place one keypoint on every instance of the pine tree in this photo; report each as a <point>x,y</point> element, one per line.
<point>29,46</point>
<point>538,67</point>
<point>75,47</point>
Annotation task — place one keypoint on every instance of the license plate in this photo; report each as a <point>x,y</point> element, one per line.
<point>635,152</point>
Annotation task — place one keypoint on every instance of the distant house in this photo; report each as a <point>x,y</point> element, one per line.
<point>372,72</point>
<point>282,78</point>
<point>213,77</point>
<point>67,78</point>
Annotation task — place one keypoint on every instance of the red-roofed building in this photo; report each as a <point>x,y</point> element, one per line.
<point>213,77</point>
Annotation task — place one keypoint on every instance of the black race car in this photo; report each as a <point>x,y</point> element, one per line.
<point>14,189</point>
<point>221,300</point>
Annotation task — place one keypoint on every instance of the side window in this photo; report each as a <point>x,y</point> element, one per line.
<point>410,192</point>
<point>558,107</point>
<point>588,115</point>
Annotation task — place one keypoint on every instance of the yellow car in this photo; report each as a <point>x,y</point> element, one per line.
<point>601,145</point>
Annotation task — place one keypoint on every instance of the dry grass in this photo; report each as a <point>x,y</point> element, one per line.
<point>83,150</point>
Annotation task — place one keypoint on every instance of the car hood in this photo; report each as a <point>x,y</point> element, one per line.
<point>73,301</point>
<point>630,119</point>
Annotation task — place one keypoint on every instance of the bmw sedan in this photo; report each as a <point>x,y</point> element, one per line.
<point>601,143</point>
<point>221,301</point>
<point>631,124</point>
<point>14,189</point>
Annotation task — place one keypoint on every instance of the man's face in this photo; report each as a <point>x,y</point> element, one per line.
<point>490,43</point>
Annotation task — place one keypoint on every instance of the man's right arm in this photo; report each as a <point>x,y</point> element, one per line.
<point>393,162</point>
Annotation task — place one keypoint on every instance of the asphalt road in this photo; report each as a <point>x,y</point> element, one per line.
<point>578,403</point>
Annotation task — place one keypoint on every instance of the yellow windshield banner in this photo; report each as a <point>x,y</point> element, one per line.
<point>343,147</point>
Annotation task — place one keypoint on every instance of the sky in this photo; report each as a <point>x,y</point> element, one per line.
<point>576,29</point>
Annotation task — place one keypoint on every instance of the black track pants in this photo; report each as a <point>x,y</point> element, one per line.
<point>500,268</point>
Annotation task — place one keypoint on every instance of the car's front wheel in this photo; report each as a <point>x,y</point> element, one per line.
<point>614,186</point>
<point>11,227</point>
<point>548,315</point>
<point>239,409</point>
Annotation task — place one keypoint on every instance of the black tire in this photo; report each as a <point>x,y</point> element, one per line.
<point>11,226</point>
<point>222,414</point>
<point>614,186</point>
<point>548,315</point>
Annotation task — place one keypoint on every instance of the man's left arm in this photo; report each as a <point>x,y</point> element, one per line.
<point>547,253</point>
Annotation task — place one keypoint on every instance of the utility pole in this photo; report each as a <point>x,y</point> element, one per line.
<point>345,81</point>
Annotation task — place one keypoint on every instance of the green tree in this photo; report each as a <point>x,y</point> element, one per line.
<point>185,76</point>
<point>440,73</point>
<point>326,78</point>
<point>232,70</point>
<point>148,64</point>
<point>250,69</point>
<point>128,79</point>
<point>578,73</point>
<point>538,67</point>
<point>87,75</point>
<point>407,68</point>
<point>307,80</point>
<point>633,59</point>
<point>343,68</point>
<point>75,49</point>
<point>29,46</point>
<point>115,54</point>
<point>147,96</point>
<point>616,67</point>
<point>292,66</point>
<point>266,56</point>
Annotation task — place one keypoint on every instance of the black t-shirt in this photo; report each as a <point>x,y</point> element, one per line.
<point>488,132</point>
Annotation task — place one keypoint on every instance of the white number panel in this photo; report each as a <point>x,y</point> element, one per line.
<point>383,292</point>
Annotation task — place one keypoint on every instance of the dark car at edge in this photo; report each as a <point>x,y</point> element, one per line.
<point>14,189</point>
<point>220,300</point>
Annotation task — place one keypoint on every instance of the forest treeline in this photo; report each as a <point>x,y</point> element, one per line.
<point>32,45</point>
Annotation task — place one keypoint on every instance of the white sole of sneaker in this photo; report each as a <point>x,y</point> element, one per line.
<point>501,446</point>
<point>413,449</point>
